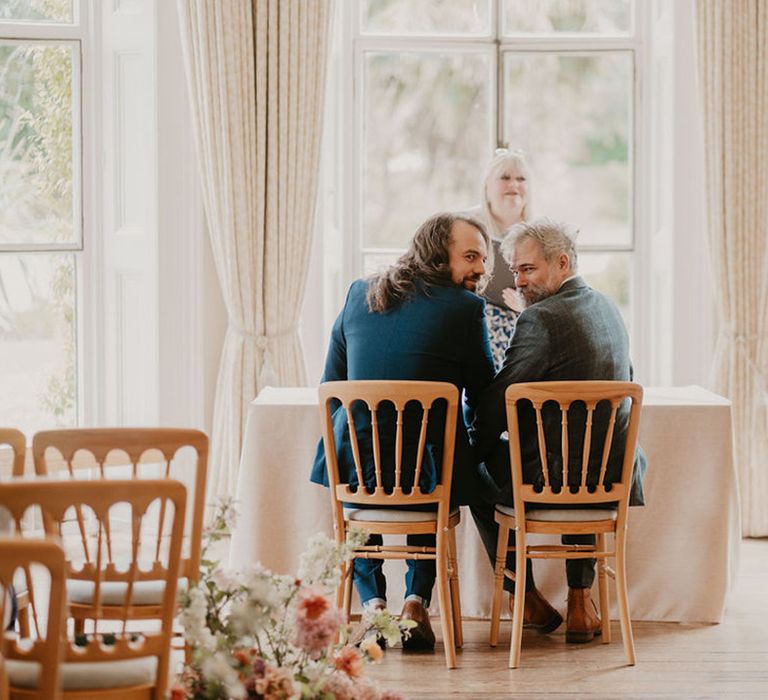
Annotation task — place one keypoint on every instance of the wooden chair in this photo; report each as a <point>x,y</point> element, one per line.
<point>551,508</point>
<point>380,512</point>
<point>18,443</point>
<point>44,652</point>
<point>3,680</point>
<point>141,452</point>
<point>110,659</point>
<point>16,440</point>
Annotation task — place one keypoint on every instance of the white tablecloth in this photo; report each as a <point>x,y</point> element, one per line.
<point>682,547</point>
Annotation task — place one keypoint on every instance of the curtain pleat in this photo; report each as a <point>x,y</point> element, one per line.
<point>256,76</point>
<point>732,56</point>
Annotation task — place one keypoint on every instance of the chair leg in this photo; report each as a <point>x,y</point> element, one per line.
<point>348,591</point>
<point>23,618</point>
<point>519,608</point>
<point>498,581</point>
<point>443,594</point>
<point>623,598</point>
<point>602,583</point>
<point>453,567</point>
<point>340,589</point>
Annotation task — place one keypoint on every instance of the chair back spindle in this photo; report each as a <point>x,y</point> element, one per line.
<point>143,453</point>
<point>378,407</point>
<point>580,469</point>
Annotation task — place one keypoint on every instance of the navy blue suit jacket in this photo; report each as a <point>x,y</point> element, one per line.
<point>438,334</point>
<point>575,334</point>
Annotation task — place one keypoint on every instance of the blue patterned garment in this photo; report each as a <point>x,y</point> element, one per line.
<point>501,324</point>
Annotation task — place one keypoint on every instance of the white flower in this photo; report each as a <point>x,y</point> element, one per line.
<point>192,618</point>
<point>216,668</point>
<point>225,579</point>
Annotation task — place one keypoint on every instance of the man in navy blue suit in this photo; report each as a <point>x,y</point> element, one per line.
<point>420,320</point>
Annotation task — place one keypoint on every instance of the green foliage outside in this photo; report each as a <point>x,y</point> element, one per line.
<point>37,181</point>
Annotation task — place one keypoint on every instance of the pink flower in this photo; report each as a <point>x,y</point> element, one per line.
<point>277,684</point>
<point>391,695</point>
<point>340,686</point>
<point>316,623</point>
<point>349,660</point>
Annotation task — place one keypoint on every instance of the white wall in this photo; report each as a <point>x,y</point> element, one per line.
<point>192,314</point>
<point>692,292</point>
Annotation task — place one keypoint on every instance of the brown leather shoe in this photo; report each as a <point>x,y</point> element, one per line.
<point>583,622</point>
<point>422,637</point>
<point>538,613</point>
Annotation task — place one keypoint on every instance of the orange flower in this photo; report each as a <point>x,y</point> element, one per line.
<point>349,660</point>
<point>371,647</point>
<point>313,605</point>
<point>243,657</point>
<point>178,693</point>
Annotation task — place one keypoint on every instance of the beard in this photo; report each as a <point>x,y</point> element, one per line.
<point>534,293</point>
<point>471,282</point>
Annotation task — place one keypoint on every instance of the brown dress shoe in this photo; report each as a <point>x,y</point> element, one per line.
<point>583,622</point>
<point>538,613</point>
<point>422,637</point>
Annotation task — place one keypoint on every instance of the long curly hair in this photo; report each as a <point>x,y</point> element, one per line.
<point>426,260</point>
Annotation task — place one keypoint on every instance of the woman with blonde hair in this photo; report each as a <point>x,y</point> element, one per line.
<point>506,201</point>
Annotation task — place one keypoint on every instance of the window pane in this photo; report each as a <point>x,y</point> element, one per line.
<point>36,10</point>
<point>37,188</point>
<point>425,16</point>
<point>567,16</point>
<point>572,115</point>
<point>426,139</point>
<point>37,341</point>
<point>376,262</point>
<point>610,274</point>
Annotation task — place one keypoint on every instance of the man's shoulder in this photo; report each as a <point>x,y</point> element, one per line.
<point>458,296</point>
<point>360,285</point>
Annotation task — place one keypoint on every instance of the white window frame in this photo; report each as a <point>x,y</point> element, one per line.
<point>77,33</point>
<point>349,68</point>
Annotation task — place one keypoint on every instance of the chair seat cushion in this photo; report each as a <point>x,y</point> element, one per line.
<point>563,515</point>
<point>88,674</point>
<point>113,592</point>
<point>392,515</point>
<point>19,581</point>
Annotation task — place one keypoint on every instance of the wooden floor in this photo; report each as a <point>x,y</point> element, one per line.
<point>729,660</point>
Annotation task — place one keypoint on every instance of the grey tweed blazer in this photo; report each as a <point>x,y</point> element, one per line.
<point>576,334</point>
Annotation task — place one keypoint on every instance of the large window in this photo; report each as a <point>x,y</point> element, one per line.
<point>439,84</point>
<point>41,237</point>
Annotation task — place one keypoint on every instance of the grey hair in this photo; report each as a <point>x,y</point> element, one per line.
<point>554,237</point>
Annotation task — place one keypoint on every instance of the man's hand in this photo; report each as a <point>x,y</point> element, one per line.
<point>512,299</point>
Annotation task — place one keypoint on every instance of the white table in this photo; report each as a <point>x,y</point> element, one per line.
<point>682,547</point>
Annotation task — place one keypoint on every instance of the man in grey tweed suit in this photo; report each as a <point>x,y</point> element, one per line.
<point>568,331</point>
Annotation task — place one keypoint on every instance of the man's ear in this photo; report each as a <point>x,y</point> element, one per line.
<point>564,261</point>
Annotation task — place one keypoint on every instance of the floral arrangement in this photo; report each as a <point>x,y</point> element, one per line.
<point>261,635</point>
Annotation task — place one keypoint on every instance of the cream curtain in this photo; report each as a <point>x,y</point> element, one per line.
<point>733,67</point>
<point>256,76</point>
